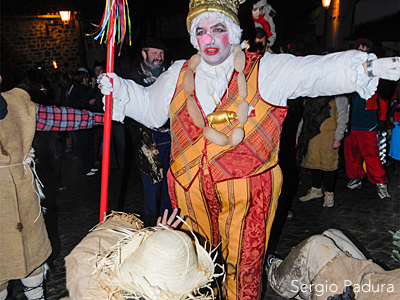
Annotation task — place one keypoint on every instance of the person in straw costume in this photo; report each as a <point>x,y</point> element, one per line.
<point>324,264</point>
<point>24,243</point>
<point>119,259</point>
<point>226,108</point>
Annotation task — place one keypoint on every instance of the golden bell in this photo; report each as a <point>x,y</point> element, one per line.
<point>227,7</point>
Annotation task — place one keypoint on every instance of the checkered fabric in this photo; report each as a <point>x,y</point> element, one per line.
<point>53,118</point>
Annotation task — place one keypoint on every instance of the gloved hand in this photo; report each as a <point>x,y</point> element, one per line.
<point>119,100</point>
<point>387,68</point>
<point>105,85</point>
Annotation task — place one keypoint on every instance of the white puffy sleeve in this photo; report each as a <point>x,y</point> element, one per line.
<point>147,105</point>
<point>285,76</point>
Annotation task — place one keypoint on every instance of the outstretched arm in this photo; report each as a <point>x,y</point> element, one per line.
<point>147,105</point>
<point>53,118</point>
<point>284,76</point>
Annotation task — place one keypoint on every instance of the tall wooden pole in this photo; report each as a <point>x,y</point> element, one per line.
<point>114,26</point>
<point>107,118</point>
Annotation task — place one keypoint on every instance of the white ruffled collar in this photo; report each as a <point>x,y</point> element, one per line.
<point>223,68</point>
<point>217,77</point>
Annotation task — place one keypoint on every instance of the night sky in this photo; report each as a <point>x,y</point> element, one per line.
<point>292,19</point>
<point>290,13</point>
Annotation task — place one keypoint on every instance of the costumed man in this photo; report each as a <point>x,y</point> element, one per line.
<point>367,119</point>
<point>324,264</point>
<point>24,244</point>
<point>227,108</point>
<point>152,145</point>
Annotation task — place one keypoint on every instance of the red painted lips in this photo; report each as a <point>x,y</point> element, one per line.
<point>211,51</point>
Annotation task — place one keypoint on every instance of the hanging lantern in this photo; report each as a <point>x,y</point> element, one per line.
<point>54,64</point>
<point>326,3</point>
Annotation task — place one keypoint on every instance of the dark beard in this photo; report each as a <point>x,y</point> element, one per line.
<point>156,71</point>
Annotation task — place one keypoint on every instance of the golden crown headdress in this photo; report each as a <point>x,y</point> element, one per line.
<point>227,7</point>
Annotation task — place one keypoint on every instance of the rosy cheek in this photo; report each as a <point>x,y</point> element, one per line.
<point>225,39</point>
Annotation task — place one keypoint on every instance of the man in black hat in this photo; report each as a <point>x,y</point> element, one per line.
<point>152,147</point>
<point>152,64</point>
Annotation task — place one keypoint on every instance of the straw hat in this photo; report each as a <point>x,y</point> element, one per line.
<point>159,264</point>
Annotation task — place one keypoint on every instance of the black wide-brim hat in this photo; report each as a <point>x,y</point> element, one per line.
<point>151,42</point>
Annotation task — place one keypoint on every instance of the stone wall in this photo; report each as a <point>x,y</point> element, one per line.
<point>30,41</point>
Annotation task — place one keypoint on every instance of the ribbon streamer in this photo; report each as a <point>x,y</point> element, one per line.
<point>118,28</point>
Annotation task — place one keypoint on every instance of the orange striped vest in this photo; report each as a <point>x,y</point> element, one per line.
<point>258,152</point>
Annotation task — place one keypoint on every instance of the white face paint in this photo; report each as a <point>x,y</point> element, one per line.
<point>213,39</point>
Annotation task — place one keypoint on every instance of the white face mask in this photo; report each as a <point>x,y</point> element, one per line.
<point>213,39</point>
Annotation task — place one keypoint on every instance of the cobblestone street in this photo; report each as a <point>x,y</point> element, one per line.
<point>357,212</point>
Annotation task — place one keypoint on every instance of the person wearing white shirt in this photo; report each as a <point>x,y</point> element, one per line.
<point>226,108</point>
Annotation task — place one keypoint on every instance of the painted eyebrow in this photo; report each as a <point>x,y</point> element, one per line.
<point>212,27</point>
<point>218,25</point>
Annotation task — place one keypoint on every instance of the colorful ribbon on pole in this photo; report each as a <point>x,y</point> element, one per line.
<point>115,24</point>
<point>113,27</point>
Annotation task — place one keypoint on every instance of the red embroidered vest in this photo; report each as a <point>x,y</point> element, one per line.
<point>258,152</point>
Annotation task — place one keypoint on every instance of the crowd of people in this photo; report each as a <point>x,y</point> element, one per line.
<point>215,137</point>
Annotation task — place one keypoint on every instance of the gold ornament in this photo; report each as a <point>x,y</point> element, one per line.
<point>227,7</point>
<point>221,117</point>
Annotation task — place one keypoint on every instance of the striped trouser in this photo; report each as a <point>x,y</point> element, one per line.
<point>238,215</point>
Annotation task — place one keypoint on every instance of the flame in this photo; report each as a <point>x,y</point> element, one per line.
<point>54,64</point>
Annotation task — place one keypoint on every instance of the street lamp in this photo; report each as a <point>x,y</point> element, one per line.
<point>65,15</point>
<point>326,3</point>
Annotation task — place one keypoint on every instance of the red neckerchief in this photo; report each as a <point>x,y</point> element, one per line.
<point>265,25</point>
